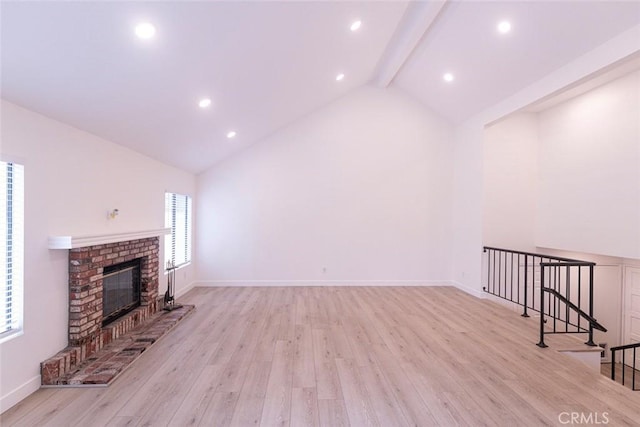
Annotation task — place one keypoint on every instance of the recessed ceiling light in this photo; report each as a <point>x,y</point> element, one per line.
<point>504,27</point>
<point>340,77</point>
<point>204,103</point>
<point>231,134</point>
<point>145,30</point>
<point>355,26</point>
<point>448,77</point>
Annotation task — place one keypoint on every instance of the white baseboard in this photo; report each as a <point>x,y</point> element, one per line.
<point>267,283</point>
<point>471,291</point>
<point>183,290</point>
<point>15,396</point>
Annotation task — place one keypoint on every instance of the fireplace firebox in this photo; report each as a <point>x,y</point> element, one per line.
<point>120,290</point>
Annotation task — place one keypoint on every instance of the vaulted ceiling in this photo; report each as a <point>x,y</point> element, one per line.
<point>264,65</point>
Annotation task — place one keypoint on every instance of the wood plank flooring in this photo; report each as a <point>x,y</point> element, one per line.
<point>359,356</point>
<point>605,369</point>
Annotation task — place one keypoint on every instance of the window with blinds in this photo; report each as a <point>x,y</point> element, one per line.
<point>177,214</point>
<point>11,247</point>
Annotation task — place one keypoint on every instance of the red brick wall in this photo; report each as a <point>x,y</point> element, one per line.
<point>85,283</point>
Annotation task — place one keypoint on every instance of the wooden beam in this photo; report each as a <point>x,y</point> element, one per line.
<point>416,22</point>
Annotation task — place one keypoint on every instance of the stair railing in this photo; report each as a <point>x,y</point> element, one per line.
<point>623,349</point>
<point>565,296</point>
<point>593,323</point>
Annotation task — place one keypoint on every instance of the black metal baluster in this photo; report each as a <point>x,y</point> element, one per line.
<point>502,255</point>
<point>579,295</point>
<point>549,301</point>
<point>518,278</point>
<point>590,342</point>
<point>633,373</point>
<point>526,285</point>
<point>488,269</point>
<point>623,365</point>
<point>511,292</point>
<point>533,282</point>
<point>541,343</point>
<point>567,287</point>
<point>555,300</point>
<point>493,289</point>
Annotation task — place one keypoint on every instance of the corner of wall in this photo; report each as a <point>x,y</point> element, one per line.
<point>183,290</point>
<point>467,206</point>
<point>469,290</point>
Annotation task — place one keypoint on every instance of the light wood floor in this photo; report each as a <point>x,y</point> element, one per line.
<point>341,356</point>
<point>605,370</point>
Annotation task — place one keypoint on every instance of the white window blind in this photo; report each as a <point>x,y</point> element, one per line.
<point>11,246</point>
<point>177,214</point>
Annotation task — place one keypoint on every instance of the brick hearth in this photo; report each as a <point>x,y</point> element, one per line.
<point>104,366</point>
<point>86,334</point>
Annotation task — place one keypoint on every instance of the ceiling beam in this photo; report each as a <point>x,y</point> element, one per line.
<point>414,25</point>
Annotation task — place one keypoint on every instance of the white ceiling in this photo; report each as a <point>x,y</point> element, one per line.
<point>267,64</point>
<point>488,66</point>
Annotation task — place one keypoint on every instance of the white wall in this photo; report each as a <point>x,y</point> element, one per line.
<point>468,174</point>
<point>467,207</point>
<point>72,179</point>
<point>573,169</point>
<point>357,192</point>
<point>590,171</point>
<point>589,186</point>
<point>510,183</point>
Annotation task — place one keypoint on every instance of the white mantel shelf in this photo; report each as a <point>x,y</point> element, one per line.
<point>72,242</point>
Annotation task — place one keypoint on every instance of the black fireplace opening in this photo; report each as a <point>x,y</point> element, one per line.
<point>120,289</point>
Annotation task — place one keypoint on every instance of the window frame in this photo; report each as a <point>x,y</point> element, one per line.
<point>12,252</point>
<point>179,218</point>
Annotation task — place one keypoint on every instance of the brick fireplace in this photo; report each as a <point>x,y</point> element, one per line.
<point>86,333</point>
<point>86,266</point>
